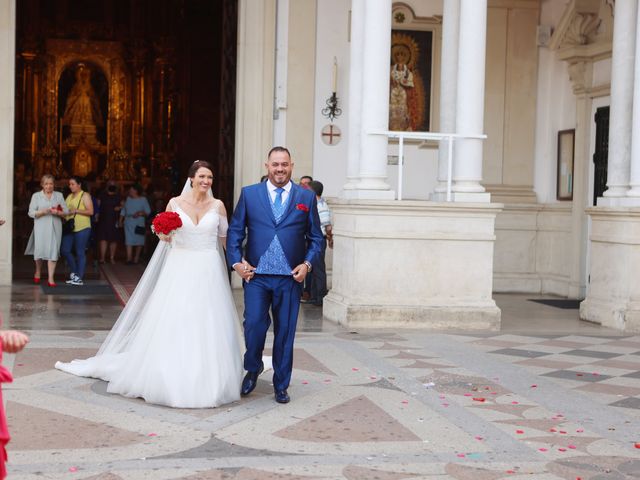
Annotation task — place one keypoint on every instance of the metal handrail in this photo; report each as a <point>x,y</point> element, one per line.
<point>425,136</point>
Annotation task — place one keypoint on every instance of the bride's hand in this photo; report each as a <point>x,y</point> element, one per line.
<point>164,238</point>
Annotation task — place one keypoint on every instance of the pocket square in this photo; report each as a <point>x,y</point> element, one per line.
<point>303,207</point>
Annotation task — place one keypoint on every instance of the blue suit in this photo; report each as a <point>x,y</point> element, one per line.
<point>296,237</point>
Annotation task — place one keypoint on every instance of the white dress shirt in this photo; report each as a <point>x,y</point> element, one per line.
<point>272,191</point>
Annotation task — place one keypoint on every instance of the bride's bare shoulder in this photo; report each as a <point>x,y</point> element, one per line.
<point>172,203</point>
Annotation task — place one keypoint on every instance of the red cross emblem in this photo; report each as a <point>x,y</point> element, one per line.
<point>331,134</point>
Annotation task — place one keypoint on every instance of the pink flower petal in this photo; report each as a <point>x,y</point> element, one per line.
<point>572,447</point>
<point>73,469</point>
<point>562,449</point>
<point>542,449</point>
<point>479,438</point>
<point>460,455</point>
<point>553,430</point>
<point>152,435</point>
<point>534,386</point>
<point>355,369</point>
<point>515,403</point>
<point>405,401</point>
<point>467,394</point>
<point>519,432</point>
<point>304,382</point>
<point>478,399</point>
<point>580,430</point>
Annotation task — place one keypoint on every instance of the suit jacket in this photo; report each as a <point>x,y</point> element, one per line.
<point>298,230</point>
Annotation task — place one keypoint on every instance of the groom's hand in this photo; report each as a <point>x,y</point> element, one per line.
<point>245,270</point>
<point>300,272</point>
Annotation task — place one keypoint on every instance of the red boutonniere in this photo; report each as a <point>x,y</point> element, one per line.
<point>303,207</point>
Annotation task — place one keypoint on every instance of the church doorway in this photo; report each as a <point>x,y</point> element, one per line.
<point>123,91</point>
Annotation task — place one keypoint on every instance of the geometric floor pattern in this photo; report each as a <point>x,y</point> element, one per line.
<point>388,405</point>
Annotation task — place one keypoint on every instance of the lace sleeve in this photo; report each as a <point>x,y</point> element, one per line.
<point>223,224</point>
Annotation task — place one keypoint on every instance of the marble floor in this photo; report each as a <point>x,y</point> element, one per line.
<point>547,397</point>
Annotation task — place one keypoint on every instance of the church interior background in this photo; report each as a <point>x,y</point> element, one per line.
<point>126,90</point>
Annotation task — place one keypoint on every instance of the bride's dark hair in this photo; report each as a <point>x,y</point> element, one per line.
<point>196,165</point>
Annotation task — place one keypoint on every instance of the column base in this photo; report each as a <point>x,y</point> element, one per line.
<point>413,264</point>
<point>462,197</point>
<point>357,193</point>
<point>430,317</point>
<point>613,296</point>
<point>608,313</point>
<point>613,202</point>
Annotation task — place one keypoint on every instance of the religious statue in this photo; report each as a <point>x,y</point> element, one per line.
<point>83,162</point>
<point>82,111</point>
<point>406,96</point>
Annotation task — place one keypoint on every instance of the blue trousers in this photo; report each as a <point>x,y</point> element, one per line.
<point>281,294</point>
<point>76,242</point>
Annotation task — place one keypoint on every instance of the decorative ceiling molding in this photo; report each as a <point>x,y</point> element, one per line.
<point>578,25</point>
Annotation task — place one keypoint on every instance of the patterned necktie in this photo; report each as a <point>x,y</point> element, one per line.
<point>277,203</point>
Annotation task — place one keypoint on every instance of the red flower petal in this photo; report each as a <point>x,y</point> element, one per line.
<point>637,445</point>
<point>519,432</point>
<point>542,449</point>
<point>478,399</point>
<point>572,447</point>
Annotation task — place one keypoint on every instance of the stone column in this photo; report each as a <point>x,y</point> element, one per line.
<point>7,96</point>
<point>375,102</point>
<point>470,101</point>
<point>634,170</point>
<point>448,82</point>
<point>355,92</point>
<point>624,39</point>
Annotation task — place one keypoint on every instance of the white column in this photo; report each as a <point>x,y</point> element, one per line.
<point>624,26</point>
<point>470,101</point>
<point>375,101</point>
<point>448,81</point>
<point>355,92</point>
<point>7,119</point>
<point>634,171</point>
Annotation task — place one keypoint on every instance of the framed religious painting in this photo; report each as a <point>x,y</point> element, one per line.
<point>413,61</point>
<point>566,152</point>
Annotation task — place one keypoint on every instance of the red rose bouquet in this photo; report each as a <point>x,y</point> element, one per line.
<point>166,223</point>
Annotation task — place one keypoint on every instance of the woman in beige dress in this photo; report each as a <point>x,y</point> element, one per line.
<point>47,209</point>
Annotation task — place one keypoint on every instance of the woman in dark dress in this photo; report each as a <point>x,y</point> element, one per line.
<point>107,231</point>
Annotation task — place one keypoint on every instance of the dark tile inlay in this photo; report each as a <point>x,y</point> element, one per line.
<point>591,353</point>
<point>516,352</point>
<point>580,376</point>
<point>630,402</point>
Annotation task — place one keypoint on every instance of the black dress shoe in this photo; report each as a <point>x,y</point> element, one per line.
<point>250,381</point>
<point>282,396</point>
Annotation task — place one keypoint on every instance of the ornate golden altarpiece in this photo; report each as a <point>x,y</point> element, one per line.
<point>87,109</point>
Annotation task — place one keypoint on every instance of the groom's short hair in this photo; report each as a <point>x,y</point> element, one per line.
<point>279,149</point>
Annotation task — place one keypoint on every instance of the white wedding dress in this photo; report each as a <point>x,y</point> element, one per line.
<point>177,342</point>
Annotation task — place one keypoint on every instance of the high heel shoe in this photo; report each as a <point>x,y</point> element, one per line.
<point>36,280</point>
<point>52,284</point>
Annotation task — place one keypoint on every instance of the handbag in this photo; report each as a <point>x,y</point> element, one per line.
<point>139,230</point>
<point>69,225</point>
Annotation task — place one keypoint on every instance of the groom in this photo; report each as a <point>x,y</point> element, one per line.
<point>280,220</point>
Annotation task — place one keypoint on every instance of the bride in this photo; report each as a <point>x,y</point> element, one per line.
<point>177,341</point>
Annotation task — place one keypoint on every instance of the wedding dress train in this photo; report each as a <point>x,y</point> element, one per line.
<point>177,342</point>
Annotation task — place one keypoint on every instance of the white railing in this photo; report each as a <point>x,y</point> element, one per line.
<point>425,136</point>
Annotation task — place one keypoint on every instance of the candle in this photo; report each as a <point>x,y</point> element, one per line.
<point>334,77</point>
<point>33,145</point>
